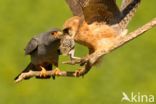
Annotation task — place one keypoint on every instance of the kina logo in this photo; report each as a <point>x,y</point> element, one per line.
<point>137,98</point>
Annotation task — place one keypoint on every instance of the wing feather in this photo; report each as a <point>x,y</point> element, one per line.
<point>75,7</point>
<point>31,46</point>
<point>96,10</point>
<point>101,11</point>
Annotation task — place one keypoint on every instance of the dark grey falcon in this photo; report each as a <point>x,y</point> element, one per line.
<point>43,50</point>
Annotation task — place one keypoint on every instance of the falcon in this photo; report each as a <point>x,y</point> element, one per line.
<point>98,24</point>
<point>43,50</point>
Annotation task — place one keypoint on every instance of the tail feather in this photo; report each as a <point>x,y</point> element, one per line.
<point>125,3</point>
<point>27,69</point>
<point>128,12</point>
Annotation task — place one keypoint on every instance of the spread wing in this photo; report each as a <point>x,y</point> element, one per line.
<point>31,46</point>
<point>97,10</point>
<point>75,7</point>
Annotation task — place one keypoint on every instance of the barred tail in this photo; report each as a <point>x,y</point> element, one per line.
<point>125,3</point>
<point>128,12</point>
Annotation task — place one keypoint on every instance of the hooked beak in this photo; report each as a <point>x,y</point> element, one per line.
<point>59,33</point>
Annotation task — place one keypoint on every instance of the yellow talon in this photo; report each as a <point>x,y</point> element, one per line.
<point>43,72</point>
<point>56,71</point>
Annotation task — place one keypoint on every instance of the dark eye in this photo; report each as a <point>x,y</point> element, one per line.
<point>53,33</point>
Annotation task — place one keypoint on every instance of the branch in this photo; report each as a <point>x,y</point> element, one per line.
<point>123,40</point>
<point>48,73</point>
<point>91,59</point>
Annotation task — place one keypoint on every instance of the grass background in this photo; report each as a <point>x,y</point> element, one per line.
<point>130,68</point>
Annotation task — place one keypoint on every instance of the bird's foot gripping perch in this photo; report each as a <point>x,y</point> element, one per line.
<point>83,70</point>
<point>79,72</point>
<point>43,72</point>
<point>80,61</point>
<point>56,72</point>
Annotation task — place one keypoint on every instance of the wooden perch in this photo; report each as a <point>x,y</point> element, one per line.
<point>37,74</point>
<point>91,59</point>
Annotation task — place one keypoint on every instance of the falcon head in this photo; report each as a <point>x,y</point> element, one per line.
<point>56,32</point>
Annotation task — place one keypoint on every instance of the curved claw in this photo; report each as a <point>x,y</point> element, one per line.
<point>43,72</point>
<point>80,61</point>
<point>56,72</point>
<point>78,72</point>
<point>84,61</point>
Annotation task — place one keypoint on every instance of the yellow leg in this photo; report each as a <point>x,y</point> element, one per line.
<point>43,72</point>
<point>56,71</point>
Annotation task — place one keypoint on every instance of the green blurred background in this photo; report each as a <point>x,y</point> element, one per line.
<point>130,68</point>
